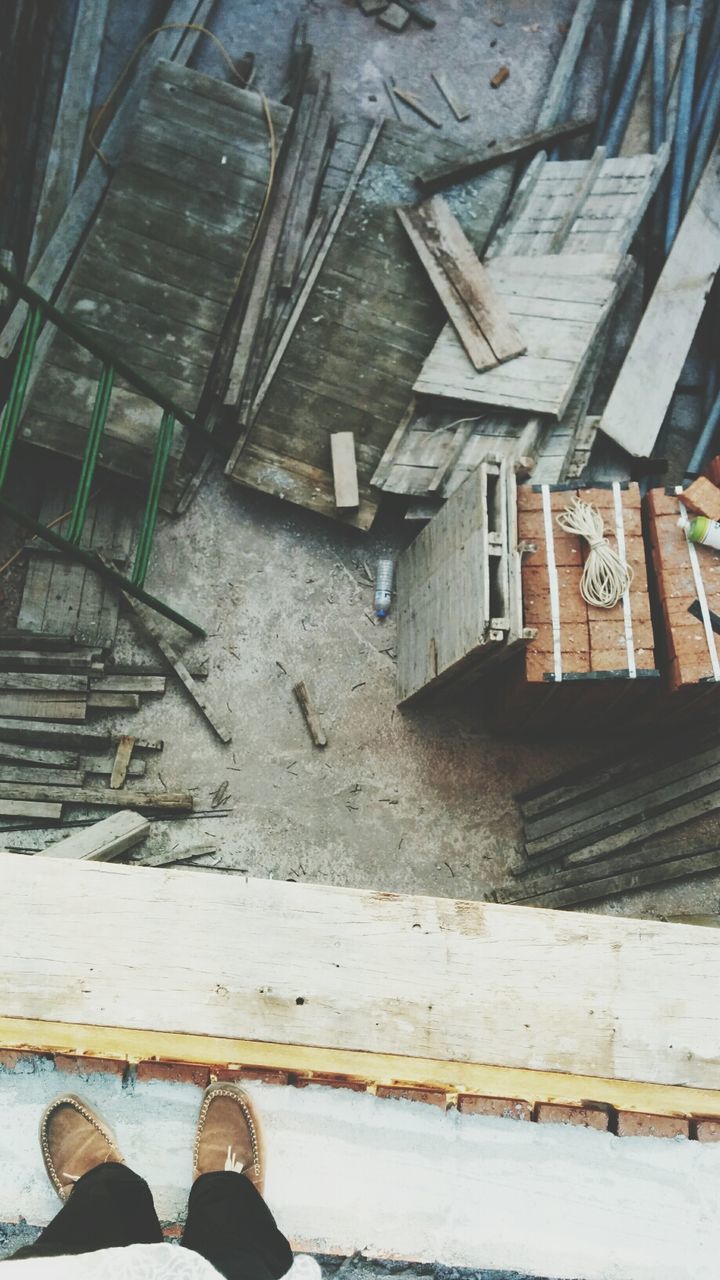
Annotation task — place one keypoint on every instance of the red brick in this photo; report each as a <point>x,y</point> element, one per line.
<point>11,1058</point>
<point>265,1075</point>
<point>638,1124</point>
<point>661,503</point>
<point>561,1113</point>
<point>330,1082</point>
<point>81,1065</point>
<point>507,1108</point>
<point>706,1130</point>
<point>175,1072</point>
<point>435,1097</point>
<point>702,497</point>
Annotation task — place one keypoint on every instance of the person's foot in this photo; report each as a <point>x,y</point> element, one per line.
<point>73,1142</point>
<point>228,1135</point>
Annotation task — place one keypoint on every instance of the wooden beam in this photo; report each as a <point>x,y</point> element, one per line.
<point>478,316</point>
<point>331,968</point>
<point>47,734</point>
<point>174,801</point>
<point>345,480</point>
<point>103,840</point>
<point>556,93</point>
<point>497,153</point>
<point>71,122</point>
<point>121,763</point>
<point>644,387</point>
<point>147,625</point>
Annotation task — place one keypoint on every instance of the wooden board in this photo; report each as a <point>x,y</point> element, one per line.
<point>639,402</point>
<point>476,983</point>
<point>474,309</point>
<point>558,303</point>
<point>365,330</point>
<point>342,447</point>
<point>193,178</point>
<point>103,840</point>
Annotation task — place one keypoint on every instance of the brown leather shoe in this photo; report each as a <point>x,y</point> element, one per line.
<point>73,1142</point>
<point>229,1135</point>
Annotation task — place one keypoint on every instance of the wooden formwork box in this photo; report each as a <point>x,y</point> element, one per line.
<point>459,603</point>
<point>585,666</point>
<point>684,573</point>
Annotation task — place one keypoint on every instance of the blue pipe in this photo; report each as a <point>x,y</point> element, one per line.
<point>705,439</point>
<point>706,137</point>
<point>618,124</point>
<point>658,119</point>
<point>616,57</point>
<point>704,96</point>
<point>682,124</point>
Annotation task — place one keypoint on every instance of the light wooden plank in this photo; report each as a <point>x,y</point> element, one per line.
<point>644,387</point>
<point>172,801</point>
<point>556,288</point>
<point>476,983</point>
<point>474,163</point>
<point>113,701</point>
<point>128,684</point>
<point>103,840</point>
<point>39,775</point>
<point>342,448</point>
<point>29,809</point>
<point>554,99</point>
<point>475,311</point>
<point>121,762</point>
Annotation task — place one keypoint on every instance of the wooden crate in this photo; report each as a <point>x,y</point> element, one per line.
<point>584,665</point>
<point>683,573</point>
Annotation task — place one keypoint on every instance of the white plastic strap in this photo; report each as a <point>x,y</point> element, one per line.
<point>553,580</point>
<point>702,600</point>
<point>627,613</point>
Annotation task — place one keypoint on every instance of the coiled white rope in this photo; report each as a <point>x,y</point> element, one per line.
<point>606,577</point>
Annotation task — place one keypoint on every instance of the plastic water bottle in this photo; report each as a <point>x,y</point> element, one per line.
<point>383,587</point>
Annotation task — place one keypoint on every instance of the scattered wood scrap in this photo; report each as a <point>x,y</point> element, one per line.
<point>312,719</point>
<point>471,165</point>
<point>477,314</point>
<point>103,840</point>
<point>121,763</point>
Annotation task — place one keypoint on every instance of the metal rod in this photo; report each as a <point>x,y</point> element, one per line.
<point>98,348</point>
<point>92,450</point>
<point>18,387</point>
<point>706,136</point>
<point>682,124</point>
<point>658,119</point>
<point>93,561</point>
<point>705,439</point>
<point>616,56</point>
<point>702,98</point>
<point>619,122</point>
<point>147,529</point>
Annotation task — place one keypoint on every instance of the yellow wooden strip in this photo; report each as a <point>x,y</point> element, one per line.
<point>132,1046</point>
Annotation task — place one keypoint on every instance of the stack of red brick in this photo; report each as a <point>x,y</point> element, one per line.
<point>686,653</point>
<point>594,661</point>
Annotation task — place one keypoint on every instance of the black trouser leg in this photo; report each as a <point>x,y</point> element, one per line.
<point>229,1223</point>
<point>108,1207</point>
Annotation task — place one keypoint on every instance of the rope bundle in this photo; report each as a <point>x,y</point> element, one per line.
<point>605,577</point>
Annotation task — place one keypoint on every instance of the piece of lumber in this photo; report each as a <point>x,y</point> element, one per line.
<point>47,734</point>
<point>478,315</point>
<point>41,704</point>
<point>415,105</point>
<point>40,774</point>
<point>460,113</point>
<point>306,186</point>
<point>113,701</point>
<point>30,809</point>
<point>38,640</point>
<point>638,402</point>
<point>423,19</point>
<point>127,684</point>
<point>44,682</point>
<point>60,248</point>
<point>13,753</point>
<point>147,625</point>
<point>342,448</point>
<point>71,122</point>
<point>529,972</point>
<point>395,18</point>
<point>312,276</point>
<point>497,153</point>
<point>627,871</point>
<point>103,840</point>
<point>172,801</point>
<point>557,90</point>
<point>121,763</point>
<point>312,719</point>
<point>26,660</point>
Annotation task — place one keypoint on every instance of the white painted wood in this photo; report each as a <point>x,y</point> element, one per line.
<point>103,840</point>
<point>186,951</point>
<point>559,303</point>
<point>644,387</point>
<point>345,480</point>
